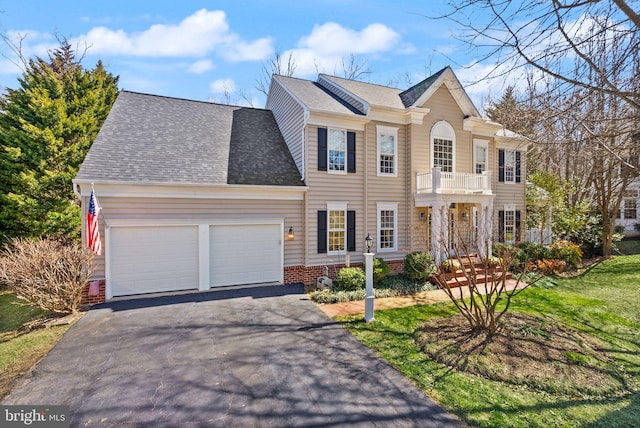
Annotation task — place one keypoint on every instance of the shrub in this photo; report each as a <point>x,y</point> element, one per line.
<point>47,273</point>
<point>451,265</point>
<point>380,269</point>
<point>531,251</point>
<point>350,279</point>
<point>618,229</point>
<point>549,267</point>
<point>567,251</point>
<point>499,249</point>
<point>390,286</point>
<point>491,261</point>
<point>636,226</point>
<point>419,266</point>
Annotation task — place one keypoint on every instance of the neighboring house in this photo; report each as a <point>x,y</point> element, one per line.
<point>197,195</point>
<point>627,217</point>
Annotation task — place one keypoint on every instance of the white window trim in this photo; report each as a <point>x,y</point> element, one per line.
<point>448,134</point>
<point>337,207</point>
<point>333,171</point>
<point>387,130</point>
<point>484,144</point>
<point>509,208</point>
<point>386,206</point>
<point>623,205</point>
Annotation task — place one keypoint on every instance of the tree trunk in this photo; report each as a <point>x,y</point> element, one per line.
<point>607,236</point>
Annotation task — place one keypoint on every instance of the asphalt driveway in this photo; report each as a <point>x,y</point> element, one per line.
<point>254,356</point>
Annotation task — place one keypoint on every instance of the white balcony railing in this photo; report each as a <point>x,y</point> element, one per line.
<point>437,181</point>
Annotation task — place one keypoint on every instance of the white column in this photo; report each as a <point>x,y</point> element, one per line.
<point>445,226</point>
<point>203,257</point>
<point>435,179</point>
<point>439,231</point>
<point>369,296</point>
<point>485,227</point>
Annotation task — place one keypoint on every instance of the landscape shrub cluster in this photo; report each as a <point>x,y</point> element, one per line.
<point>419,267</point>
<point>560,256</point>
<point>46,272</point>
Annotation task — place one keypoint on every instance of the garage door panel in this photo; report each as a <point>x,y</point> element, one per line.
<point>153,259</point>
<point>245,254</point>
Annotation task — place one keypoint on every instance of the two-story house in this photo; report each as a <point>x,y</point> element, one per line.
<point>417,169</point>
<point>197,195</point>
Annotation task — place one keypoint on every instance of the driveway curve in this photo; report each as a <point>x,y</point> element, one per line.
<point>261,356</point>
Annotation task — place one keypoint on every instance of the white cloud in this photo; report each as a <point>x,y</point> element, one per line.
<point>333,39</point>
<point>196,35</point>
<point>324,49</point>
<point>249,51</point>
<point>222,86</point>
<point>201,66</point>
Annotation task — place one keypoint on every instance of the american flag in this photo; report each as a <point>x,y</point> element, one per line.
<point>93,234</point>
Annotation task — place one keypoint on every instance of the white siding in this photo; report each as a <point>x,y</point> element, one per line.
<point>125,208</point>
<point>289,115</point>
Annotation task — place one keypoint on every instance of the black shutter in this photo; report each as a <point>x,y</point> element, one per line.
<point>351,230</point>
<point>351,152</point>
<point>500,226</point>
<point>518,226</point>
<point>517,167</point>
<point>322,149</point>
<point>322,231</point>
<point>501,165</point>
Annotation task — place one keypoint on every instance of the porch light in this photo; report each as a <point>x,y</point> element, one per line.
<point>290,234</point>
<point>368,242</point>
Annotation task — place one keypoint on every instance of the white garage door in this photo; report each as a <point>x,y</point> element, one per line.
<point>153,259</point>
<point>245,254</point>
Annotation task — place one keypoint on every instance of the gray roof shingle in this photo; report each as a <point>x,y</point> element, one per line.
<point>155,139</point>
<point>314,96</point>
<point>411,95</point>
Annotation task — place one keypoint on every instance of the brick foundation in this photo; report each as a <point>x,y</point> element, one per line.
<point>292,275</point>
<point>92,300</point>
<point>309,274</point>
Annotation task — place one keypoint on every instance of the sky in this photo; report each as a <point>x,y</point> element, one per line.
<point>217,50</point>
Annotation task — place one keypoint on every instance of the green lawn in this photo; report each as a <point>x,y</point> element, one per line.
<point>627,247</point>
<point>603,302</point>
<point>21,348</point>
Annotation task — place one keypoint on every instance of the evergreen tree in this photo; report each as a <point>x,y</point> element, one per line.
<point>46,128</point>
<point>512,113</point>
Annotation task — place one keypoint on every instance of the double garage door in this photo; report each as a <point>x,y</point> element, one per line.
<point>150,259</point>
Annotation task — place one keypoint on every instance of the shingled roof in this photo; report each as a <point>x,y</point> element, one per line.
<point>411,95</point>
<point>155,139</point>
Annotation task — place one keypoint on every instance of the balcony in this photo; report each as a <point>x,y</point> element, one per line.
<point>440,182</point>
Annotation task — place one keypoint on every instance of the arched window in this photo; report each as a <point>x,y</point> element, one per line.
<point>443,146</point>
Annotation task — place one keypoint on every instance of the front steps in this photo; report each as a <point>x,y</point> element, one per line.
<point>470,264</point>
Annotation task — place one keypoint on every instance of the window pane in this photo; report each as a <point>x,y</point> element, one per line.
<point>386,164</point>
<point>443,154</point>
<point>387,145</point>
<point>509,226</point>
<point>630,211</point>
<point>386,219</point>
<point>336,161</point>
<point>509,166</point>
<point>387,229</point>
<point>386,239</point>
<point>337,149</point>
<point>481,159</point>
<point>336,232</point>
<point>336,139</point>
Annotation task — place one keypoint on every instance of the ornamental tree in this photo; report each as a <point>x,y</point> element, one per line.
<point>47,125</point>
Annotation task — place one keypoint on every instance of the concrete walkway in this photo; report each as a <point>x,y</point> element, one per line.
<point>248,357</point>
<point>424,298</point>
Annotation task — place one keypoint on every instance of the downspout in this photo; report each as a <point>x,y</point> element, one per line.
<point>75,190</point>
